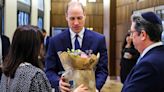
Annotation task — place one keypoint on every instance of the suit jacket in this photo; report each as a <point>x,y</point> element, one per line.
<point>5,48</point>
<point>47,42</point>
<point>91,41</point>
<point>5,45</point>
<point>148,73</point>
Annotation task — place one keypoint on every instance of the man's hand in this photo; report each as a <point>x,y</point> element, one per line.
<point>64,87</point>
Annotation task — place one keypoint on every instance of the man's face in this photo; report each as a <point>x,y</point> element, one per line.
<point>75,17</point>
<point>136,38</point>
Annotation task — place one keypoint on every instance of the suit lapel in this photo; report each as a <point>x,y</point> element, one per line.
<point>86,43</point>
<point>130,75</point>
<point>67,40</point>
<point>87,40</point>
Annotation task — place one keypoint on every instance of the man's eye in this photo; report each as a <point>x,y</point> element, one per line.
<point>79,18</point>
<point>72,18</point>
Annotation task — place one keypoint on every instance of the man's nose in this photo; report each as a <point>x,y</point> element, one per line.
<point>76,21</point>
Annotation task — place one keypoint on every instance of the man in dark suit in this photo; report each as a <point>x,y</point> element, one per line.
<point>88,40</point>
<point>148,73</point>
<point>5,44</point>
<point>46,39</point>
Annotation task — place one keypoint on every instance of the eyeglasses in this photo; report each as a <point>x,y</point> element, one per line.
<point>132,32</point>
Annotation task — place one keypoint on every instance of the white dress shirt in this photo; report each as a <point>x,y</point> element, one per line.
<point>80,38</point>
<point>149,48</point>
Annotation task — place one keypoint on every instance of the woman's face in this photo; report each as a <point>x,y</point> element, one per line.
<point>128,39</point>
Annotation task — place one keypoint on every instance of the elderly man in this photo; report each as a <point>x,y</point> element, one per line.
<point>148,73</point>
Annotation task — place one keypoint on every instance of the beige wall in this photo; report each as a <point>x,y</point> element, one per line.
<point>34,12</point>
<point>10,17</point>
<point>47,15</point>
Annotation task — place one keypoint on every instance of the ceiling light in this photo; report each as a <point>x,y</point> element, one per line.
<point>91,0</point>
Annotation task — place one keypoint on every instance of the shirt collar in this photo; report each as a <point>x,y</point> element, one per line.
<point>81,33</point>
<point>150,47</point>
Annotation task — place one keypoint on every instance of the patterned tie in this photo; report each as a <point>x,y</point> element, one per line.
<point>77,45</point>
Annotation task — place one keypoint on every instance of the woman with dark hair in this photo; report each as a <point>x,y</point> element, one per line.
<point>21,68</point>
<point>41,56</point>
<point>129,56</point>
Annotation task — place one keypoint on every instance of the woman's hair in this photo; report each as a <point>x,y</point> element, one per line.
<point>40,34</point>
<point>25,47</point>
<point>125,42</point>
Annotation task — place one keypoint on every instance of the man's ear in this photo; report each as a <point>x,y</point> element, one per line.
<point>66,16</point>
<point>143,35</point>
<point>84,15</point>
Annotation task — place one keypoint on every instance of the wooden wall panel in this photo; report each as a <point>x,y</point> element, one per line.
<point>87,21</point>
<point>97,21</point>
<point>118,2</point>
<point>89,9</point>
<point>56,20</point>
<point>151,3</point>
<point>121,12</point>
<point>118,50</point>
<point>100,9</point>
<point>63,21</point>
<point>99,1</point>
<point>91,20</point>
<point>142,5</point>
<point>118,17</point>
<point>161,2</point>
<point>58,8</point>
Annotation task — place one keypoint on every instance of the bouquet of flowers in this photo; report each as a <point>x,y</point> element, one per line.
<point>79,68</point>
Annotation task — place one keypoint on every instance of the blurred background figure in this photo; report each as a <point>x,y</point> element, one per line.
<point>46,39</point>
<point>4,48</point>
<point>21,68</point>
<point>42,53</point>
<point>129,56</point>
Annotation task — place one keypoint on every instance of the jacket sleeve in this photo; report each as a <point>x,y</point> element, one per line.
<point>101,70</point>
<point>51,65</point>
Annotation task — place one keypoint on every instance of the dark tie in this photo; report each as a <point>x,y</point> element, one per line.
<point>77,45</point>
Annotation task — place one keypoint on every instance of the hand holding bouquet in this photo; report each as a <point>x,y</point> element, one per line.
<point>77,65</point>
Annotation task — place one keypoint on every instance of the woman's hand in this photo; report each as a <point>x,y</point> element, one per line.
<point>64,86</point>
